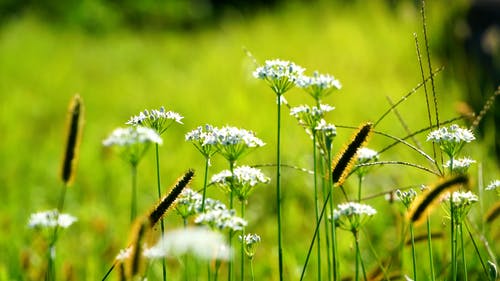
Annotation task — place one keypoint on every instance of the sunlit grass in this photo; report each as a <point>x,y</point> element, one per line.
<point>206,76</point>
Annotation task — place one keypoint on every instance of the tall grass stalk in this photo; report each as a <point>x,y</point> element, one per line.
<point>133,196</point>
<point>205,179</point>
<point>325,189</point>
<point>242,261</point>
<point>162,225</point>
<point>413,254</point>
<point>278,186</point>
<point>316,199</point>
<point>429,246</point>
<point>464,262</point>
<point>336,273</point>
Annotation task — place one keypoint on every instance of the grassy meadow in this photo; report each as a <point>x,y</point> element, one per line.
<point>205,75</point>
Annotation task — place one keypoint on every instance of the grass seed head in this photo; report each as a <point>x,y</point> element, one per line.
<point>74,131</point>
<point>345,160</point>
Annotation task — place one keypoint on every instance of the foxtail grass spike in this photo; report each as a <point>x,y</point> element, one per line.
<point>420,207</point>
<point>74,135</point>
<point>345,160</point>
<point>485,109</point>
<point>168,200</point>
<point>134,262</point>
<point>493,213</point>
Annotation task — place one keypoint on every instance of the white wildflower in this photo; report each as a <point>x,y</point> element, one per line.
<point>279,74</point>
<point>351,216</point>
<point>197,241</point>
<point>452,139</point>
<point>157,119</point>
<point>319,85</point>
<point>50,219</point>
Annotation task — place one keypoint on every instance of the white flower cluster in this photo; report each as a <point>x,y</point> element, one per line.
<point>460,165</point>
<point>188,203</point>
<point>327,129</point>
<point>124,254</point>
<point>242,182</point>
<point>250,241</point>
<point>229,135</point>
<point>203,135</point>
<point>493,185</point>
<point>157,119</point>
<point>50,219</point>
<point>310,116</point>
<point>366,154</point>
<point>461,203</point>
<point>452,139</point>
<point>197,241</point>
<point>351,216</point>
<point>278,70</point>
<point>131,136</point>
<point>406,197</point>
<point>319,85</point>
<point>453,134</point>
<point>460,198</point>
<point>221,219</point>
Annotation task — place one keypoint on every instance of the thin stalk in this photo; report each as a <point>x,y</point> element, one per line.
<point>429,245</point>
<point>464,262</point>
<point>205,178</point>
<point>251,269</point>
<point>217,267</point>
<point>242,261</point>
<point>358,255</point>
<point>327,223</point>
<point>109,272</point>
<point>162,225</point>
<point>231,233</point>
<point>133,200</point>
<point>453,243</point>
<point>360,182</point>
<point>185,256</point>
<point>336,273</point>
<point>51,251</point>
<point>278,188</point>
<point>413,254</point>
<point>315,169</point>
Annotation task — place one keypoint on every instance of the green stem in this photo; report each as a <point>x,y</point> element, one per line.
<point>205,178</point>
<point>251,269</point>
<point>360,183</point>
<point>278,188</point>
<point>230,235</point>
<point>327,223</point>
<point>413,254</point>
<point>242,260</point>
<point>464,262</point>
<point>336,273</point>
<point>316,211</point>
<point>51,251</point>
<point>429,245</point>
<point>453,242</point>
<point>162,225</point>
<point>133,200</point>
<point>358,255</point>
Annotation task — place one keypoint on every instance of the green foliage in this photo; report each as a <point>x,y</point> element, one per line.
<point>205,76</point>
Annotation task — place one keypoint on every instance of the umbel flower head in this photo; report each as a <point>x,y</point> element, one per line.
<point>156,119</point>
<point>319,85</point>
<point>325,133</point>
<point>221,219</point>
<point>188,203</point>
<point>232,142</point>
<point>461,203</point>
<point>406,197</point>
<point>452,139</point>
<point>204,138</point>
<point>51,219</point>
<point>494,185</point>
<point>280,75</point>
<point>250,242</point>
<point>200,242</point>
<point>132,142</point>
<point>365,155</point>
<point>310,117</point>
<point>242,182</point>
<point>351,216</point>
<point>459,166</point>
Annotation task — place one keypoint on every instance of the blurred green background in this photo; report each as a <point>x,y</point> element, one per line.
<point>124,57</point>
